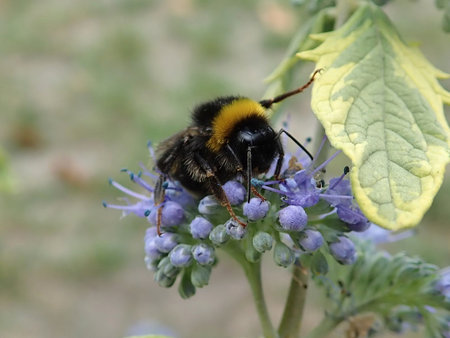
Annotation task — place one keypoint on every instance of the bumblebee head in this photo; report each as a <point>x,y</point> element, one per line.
<point>241,124</point>
<point>240,114</point>
<point>257,135</point>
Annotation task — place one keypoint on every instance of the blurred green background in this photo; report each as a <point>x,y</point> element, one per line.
<point>83,86</point>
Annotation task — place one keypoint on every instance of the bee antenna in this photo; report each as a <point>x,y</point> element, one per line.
<point>296,142</point>
<point>268,103</point>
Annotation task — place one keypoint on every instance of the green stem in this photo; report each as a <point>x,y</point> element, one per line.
<point>324,328</point>
<point>253,274</point>
<point>293,311</point>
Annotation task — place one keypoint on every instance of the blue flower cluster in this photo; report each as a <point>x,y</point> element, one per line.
<point>299,215</point>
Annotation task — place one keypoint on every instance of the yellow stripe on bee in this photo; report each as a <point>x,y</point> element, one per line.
<point>228,117</point>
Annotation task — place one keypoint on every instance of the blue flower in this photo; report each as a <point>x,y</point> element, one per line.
<point>181,255</point>
<point>165,242</point>
<point>208,205</point>
<point>256,209</point>
<point>293,218</point>
<point>339,194</point>
<point>311,240</point>
<point>353,216</point>
<point>200,227</point>
<point>203,254</point>
<point>234,229</point>
<point>172,214</point>
<point>235,192</point>
<point>151,250</point>
<point>192,230</point>
<point>343,250</point>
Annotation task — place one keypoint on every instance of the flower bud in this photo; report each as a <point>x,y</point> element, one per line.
<point>180,256</point>
<point>151,250</point>
<point>262,241</point>
<point>353,216</point>
<point>203,254</point>
<point>208,205</point>
<point>186,289</point>
<point>162,263</point>
<point>163,280</point>
<point>200,227</point>
<point>150,233</point>
<point>252,254</point>
<point>311,240</point>
<point>235,192</point>
<point>170,270</point>
<point>172,214</point>
<point>166,242</point>
<point>293,218</point>
<point>176,193</point>
<point>282,255</point>
<point>150,263</point>
<point>256,209</point>
<point>343,250</point>
<point>234,229</point>
<point>200,275</point>
<point>219,235</point>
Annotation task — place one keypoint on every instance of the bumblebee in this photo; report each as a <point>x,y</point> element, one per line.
<point>229,136</point>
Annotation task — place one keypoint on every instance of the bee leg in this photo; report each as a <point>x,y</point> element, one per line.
<point>216,188</point>
<point>248,175</point>
<point>280,156</point>
<point>158,196</point>
<point>250,187</point>
<point>219,193</point>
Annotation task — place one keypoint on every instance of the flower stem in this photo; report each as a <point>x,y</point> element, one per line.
<point>293,311</point>
<point>253,274</point>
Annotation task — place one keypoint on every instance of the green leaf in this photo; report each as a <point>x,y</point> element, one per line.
<point>391,287</point>
<point>319,264</point>
<point>186,289</point>
<point>380,102</point>
<point>280,78</point>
